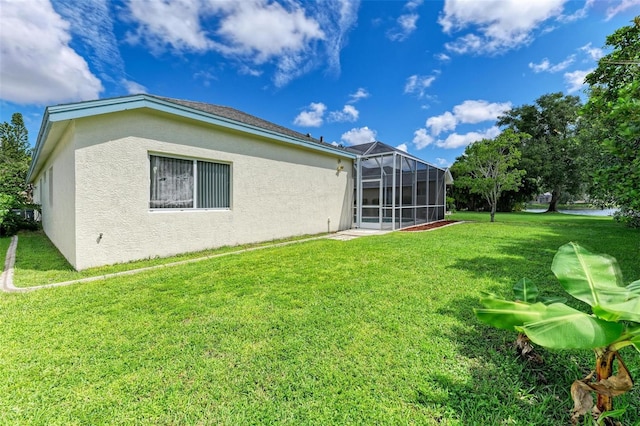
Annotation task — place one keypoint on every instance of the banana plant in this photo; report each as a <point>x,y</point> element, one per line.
<point>526,291</point>
<point>613,324</point>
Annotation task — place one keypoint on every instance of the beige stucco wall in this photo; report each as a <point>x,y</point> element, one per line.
<point>54,193</point>
<point>277,190</point>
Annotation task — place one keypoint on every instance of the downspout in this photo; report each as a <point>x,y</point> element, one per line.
<point>358,200</point>
<point>393,195</point>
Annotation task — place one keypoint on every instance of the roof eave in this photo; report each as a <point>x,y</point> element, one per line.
<point>45,127</point>
<point>104,106</point>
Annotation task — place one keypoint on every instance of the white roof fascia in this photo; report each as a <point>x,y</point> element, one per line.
<point>45,127</point>
<point>59,113</point>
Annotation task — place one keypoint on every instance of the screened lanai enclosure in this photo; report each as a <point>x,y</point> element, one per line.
<point>394,190</point>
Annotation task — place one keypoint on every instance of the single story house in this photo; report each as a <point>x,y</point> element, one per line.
<point>142,176</point>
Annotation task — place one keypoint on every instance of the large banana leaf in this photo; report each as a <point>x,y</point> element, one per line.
<point>629,310</point>
<point>525,291</point>
<point>635,337</point>
<point>547,300</point>
<point>506,314</point>
<point>562,327</point>
<point>595,279</point>
<point>634,288</point>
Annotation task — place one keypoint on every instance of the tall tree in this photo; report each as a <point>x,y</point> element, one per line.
<point>613,110</point>
<point>550,155</point>
<point>488,167</point>
<point>15,157</point>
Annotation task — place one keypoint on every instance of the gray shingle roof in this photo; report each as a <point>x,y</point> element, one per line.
<point>242,117</point>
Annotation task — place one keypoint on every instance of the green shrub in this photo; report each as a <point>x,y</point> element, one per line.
<point>11,221</point>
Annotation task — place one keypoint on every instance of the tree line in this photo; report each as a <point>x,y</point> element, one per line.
<point>15,192</point>
<point>561,146</point>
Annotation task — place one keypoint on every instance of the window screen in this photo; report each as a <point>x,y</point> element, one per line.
<point>181,183</point>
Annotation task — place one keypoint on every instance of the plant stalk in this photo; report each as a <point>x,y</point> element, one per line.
<point>604,370</point>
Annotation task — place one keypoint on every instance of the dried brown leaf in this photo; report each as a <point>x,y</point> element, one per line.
<point>582,399</point>
<point>526,350</point>
<point>614,385</point>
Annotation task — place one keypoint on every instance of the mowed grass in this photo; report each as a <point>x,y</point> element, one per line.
<point>376,330</point>
<point>4,245</point>
<point>38,261</point>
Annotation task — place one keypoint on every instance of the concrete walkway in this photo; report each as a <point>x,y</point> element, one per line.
<point>6,279</point>
<point>350,234</point>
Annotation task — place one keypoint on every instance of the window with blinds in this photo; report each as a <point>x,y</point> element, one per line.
<point>178,183</point>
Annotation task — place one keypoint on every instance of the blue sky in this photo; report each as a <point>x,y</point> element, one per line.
<point>429,77</point>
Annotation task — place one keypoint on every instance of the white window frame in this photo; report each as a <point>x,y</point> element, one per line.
<point>195,182</point>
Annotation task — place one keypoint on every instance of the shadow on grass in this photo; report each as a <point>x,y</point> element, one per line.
<point>503,388</point>
<point>531,256</point>
<point>42,254</point>
<point>502,380</point>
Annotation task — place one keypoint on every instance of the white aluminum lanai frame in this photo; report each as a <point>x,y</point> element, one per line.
<point>394,189</point>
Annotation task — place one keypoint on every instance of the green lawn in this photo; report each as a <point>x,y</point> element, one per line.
<point>39,262</point>
<point>376,330</point>
<point>4,245</point>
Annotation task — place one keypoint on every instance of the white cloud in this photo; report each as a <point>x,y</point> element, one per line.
<point>266,30</point>
<point>468,43</point>
<point>422,139</point>
<point>336,18</point>
<point>499,25</point>
<point>133,88</point>
<point>478,111</point>
<point>348,113</point>
<point>441,123</point>
<point>206,76</point>
<point>578,14</point>
<point>456,140</point>
<point>91,22</point>
<point>594,53</point>
<point>545,65</point>
<point>468,112</point>
<point>293,38</point>
<point>360,94</point>
<point>38,65</point>
<point>407,25</point>
<point>621,7</point>
<point>443,57</point>
<point>403,147</point>
<point>312,117</point>
<point>417,84</point>
<point>168,24</point>
<point>357,136</point>
<point>442,162</point>
<point>246,70</point>
<point>406,22</point>
<point>575,79</point>
<point>542,66</point>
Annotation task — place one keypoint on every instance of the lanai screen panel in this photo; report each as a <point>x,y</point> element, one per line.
<point>395,190</point>
<point>370,178</point>
<point>436,194</point>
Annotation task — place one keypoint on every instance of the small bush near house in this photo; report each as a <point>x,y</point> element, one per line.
<point>12,217</point>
